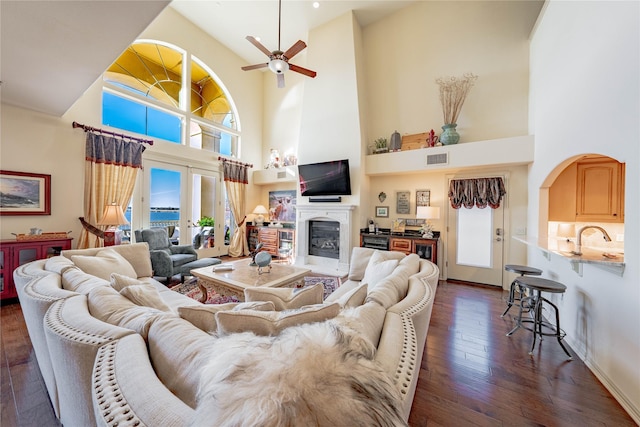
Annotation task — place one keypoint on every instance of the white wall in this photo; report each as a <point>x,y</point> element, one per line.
<point>585,99</point>
<point>38,143</point>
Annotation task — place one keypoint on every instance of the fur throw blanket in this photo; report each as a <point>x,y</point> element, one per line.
<point>318,374</point>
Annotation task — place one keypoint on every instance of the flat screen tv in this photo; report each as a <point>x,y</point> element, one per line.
<point>325,178</point>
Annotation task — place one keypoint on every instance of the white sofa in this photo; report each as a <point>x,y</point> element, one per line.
<point>109,359</point>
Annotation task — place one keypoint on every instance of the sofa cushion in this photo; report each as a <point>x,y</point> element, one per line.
<point>74,279</point>
<point>367,319</point>
<point>393,288</point>
<point>379,267</point>
<point>354,298</point>
<point>203,316</point>
<point>178,350</point>
<point>107,305</point>
<point>272,322</point>
<point>358,263</point>
<point>138,292</point>
<point>136,253</point>
<point>104,263</point>
<point>287,298</point>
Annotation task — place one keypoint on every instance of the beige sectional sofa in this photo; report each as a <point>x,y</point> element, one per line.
<point>123,349</point>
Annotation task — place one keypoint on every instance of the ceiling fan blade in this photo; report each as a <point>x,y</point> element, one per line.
<point>306,72</point>
<point>295,49</point>
<point>259,45</point>
<point>255,67</point>
<point>280,80</point>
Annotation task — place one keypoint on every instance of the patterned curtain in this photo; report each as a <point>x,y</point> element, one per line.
<point>110,172</point>
<point>235,181</point>
<point>479,192</point>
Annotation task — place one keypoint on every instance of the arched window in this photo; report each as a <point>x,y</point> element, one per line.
<point>159,90</point>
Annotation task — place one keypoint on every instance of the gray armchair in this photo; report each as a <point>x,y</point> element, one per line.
<point>166,259</point>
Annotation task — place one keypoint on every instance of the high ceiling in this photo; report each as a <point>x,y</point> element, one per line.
<point>52,51</point>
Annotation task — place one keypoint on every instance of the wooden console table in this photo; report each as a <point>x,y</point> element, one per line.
<point>14,253</point>
<point>402,242</point>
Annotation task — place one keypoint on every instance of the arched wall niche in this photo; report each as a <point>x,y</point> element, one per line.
<point>548,218</point>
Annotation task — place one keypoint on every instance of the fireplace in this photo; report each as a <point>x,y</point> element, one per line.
<point>323,237</point>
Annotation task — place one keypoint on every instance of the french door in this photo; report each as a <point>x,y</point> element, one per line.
<point>475,245</point>
<point>177,197</point>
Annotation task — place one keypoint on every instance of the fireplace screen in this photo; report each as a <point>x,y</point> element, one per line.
<point>324,239</point>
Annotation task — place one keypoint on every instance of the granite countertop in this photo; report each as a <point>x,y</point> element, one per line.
<point>614,259</point>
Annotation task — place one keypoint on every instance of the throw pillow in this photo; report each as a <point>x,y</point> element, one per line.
<point>119,281</point>
<point>376,271</point>
<point>145,295</point>
<point>367,319</point>
<point>287,298</point>
<point>204,316</point>
<point>104,263</point>
<point>272,322</point>
<point>358,264</point>
<point>354,297</point>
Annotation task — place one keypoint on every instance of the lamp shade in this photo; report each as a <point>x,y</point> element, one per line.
<point>260,210</point>
<point>428,212</point>
<point>113,215</point>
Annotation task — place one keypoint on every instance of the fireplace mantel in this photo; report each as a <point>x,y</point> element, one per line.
<point>340,213</point>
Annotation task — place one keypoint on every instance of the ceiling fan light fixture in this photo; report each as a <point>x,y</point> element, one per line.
<point>278,66</point>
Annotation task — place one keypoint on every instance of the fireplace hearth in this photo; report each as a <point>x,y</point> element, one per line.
<point>323,238</point>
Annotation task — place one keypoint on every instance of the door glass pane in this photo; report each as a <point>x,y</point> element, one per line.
<point>204,211</point>
<point>474,237</point>
<point>164,200</point>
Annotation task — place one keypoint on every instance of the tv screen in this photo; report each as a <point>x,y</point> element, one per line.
<point>325,179</point>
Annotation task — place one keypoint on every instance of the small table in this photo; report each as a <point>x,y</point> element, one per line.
<point>234,282</point>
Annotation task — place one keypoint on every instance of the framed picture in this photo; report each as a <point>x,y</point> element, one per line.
<point>398,226</point>
<point>403,202</point>
<point>25,193</point>
<point>382,211</point>
<point>423,198</point>
<point>282,206</point>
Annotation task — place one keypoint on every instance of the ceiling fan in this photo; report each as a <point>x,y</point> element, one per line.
<point>279,60</point>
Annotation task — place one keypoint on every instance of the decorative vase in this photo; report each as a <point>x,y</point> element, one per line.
<point>449,135</point>
<point>396,141</point>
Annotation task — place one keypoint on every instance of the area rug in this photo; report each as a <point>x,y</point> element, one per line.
<point>190,288</point>
<point>330,283</point>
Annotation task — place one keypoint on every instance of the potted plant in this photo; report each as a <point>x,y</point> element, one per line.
<point>381,146</point>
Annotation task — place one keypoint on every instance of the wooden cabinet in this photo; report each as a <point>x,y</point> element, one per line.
<point>590,190</point>
<point>14,253</point>
<point>401,244</point>
<point>276,241</point>
<point>600,193</point>
<point>425,248</point>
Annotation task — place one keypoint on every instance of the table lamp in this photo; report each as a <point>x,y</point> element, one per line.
<point>427,212</point>
<point>259,212</point>
<point>113,217</point>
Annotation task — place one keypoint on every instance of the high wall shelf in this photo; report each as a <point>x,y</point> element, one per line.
<point>513,151</point>
<point>287,174</point>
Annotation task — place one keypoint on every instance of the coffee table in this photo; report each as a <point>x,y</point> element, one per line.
<point>234,282</point>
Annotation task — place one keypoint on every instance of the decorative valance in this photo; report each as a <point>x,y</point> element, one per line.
<point>235,171</point>
<point>479,192</point>
<point>113,151</point>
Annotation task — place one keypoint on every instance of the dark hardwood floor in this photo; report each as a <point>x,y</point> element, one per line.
<point>472,374</point>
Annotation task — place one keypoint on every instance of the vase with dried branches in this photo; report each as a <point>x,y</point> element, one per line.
<point>453,92</point>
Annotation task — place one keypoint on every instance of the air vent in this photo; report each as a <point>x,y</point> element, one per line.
<point>438,159</point>
<point>281,175</point>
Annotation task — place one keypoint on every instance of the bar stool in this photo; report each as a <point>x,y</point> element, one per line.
<point>533,303</point>
<point>522,270</point>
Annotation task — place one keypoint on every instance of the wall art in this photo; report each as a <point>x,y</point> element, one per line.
<point>23,193</point>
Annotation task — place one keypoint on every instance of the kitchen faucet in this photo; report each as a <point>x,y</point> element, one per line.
<point>578,250</point>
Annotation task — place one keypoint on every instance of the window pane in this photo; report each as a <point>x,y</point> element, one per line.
<point>164,203</point>
<point>164,125</point>
<point>152,69</point>
<point>122,113</point>
<point>474,237</point>
<point>208,100</point>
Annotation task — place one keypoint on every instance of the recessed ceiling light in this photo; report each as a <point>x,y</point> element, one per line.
<point>316,4</point>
